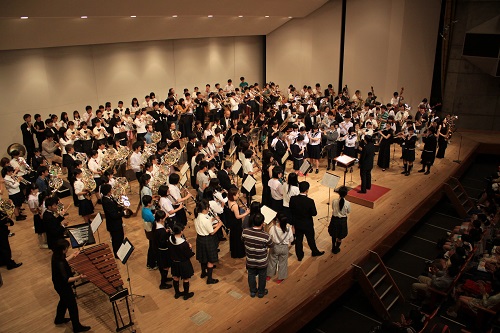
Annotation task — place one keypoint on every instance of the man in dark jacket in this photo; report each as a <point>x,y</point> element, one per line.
<point>52,222</point>
<point>113,213</point>
<point>366,164</point>
<point>303,209</point>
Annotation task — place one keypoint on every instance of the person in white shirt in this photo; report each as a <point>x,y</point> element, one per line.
<point>36,209</point>
<point>248,171</point>
<point>66,139</point>
<point>206,246</point>
<point>282,237</point>
<point>276,186</point>
<point>229,88</point>
<point>95,167</point>
<point>338,224</point>
<point>166,205</point>
<point>135,159</point>
<point>100,132</point>
<point>290,189</point>
<point>148,103</point>
<point>85,206</point>
<point>88,115</point>
<point>13,188</point>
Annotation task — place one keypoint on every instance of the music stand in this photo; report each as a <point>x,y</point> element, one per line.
<point>124,253</point>
<point>120,136</point>
<point>331,181</point>
<point>96,223</point>
<point>345,162</point>
<point>184,169</point>
<point>236,169</point>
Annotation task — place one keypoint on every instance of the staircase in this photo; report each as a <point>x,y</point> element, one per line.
<point>378,285</point>
<point>457,195</point>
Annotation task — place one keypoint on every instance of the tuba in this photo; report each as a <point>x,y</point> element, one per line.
<point>17,146</point>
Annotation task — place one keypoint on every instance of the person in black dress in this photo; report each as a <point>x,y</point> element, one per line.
<point>384,153</point>
<point>409,141</point>
<point>429,153</point>
<point>161,232</point>
<point>366,164</point>
<point>442,138</point>
<point>235,224</point>
<point>63,280</point>
<point>180,253</point>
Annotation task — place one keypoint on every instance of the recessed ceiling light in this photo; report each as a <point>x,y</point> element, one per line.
<point>174,15</point>
<point>240,16</point>
<point>133,16</point>
<point>267,15</point>
<point>84,17</point>
<point>210,16</point>
<point>24,17</point>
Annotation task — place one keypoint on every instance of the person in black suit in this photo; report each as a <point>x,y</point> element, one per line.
<point>113,213</point>
<point>280,149</point>
<point>303,209</point>
<point>281,115</point>
<point>5,251</point>
<point>159,118</point>
<point>63,280</point>
<point>28,131</point>
<point>52,222</point>
<point>69,163</point>
<point>311,119</point>
<point>366,164</point>
<point>223,176</point>
<point>169,135</point>
<point>191,147</point>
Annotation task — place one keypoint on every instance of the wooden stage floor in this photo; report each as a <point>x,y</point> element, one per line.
<point>28,301</point>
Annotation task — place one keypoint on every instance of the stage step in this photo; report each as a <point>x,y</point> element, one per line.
<point>378,285</point>
<point>458,197</point>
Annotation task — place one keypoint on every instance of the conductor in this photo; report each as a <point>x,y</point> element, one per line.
<point>366,164</point>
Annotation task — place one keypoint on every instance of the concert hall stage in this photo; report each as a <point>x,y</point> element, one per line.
<point>28,300</point>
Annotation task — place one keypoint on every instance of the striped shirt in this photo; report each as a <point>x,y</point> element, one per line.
<point>256,243</point>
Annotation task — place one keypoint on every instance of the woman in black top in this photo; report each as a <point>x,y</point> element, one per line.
<point>63,280</point>
<point>442,138</point>
<point>180,253</point>
<point>160,235</point>
<point>429,153</point>
<point>267,165</point>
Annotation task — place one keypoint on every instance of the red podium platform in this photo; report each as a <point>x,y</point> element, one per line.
<point>369,198</point>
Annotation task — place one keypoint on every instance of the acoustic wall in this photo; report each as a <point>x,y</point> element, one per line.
<point>388,44</point>
<point>53,80</point>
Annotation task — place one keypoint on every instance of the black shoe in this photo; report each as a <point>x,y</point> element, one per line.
<point>262,295</point>
<point>421,170</point>
<point>360,191</point>
<point>336,250</point>
<point>169,279</point>
<point>318,254</point>
<point>203,275</point>
<point>213,281</point>
<point>81,328</point>
<point>14,265</point>
<point>188,295</point>
<point>165,286</point>
<point>63,321</point>
<point>176,296</point>
<point>317,171</point>
<point>20,218</point>
<point>403,173</point>
<point>328,168</point>
<point>300,258</point>
<point>427,172</point>
<point>407,174</point>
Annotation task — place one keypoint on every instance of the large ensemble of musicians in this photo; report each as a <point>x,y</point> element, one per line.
<point>217,142</point>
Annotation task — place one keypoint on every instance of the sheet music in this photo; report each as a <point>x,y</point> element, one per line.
<point>96,222</point>
<point>330,180</point>
<point>183,180</point>
<point>241,156</point>
<point>305,167</point>
<point>184,168</point>
<point>268,213</point>
<point>232,153</point>
<point>236,167</point>
<point>285,157</point>
<point>249,183</point>
<point>123,251</point>
<point>344,159</point>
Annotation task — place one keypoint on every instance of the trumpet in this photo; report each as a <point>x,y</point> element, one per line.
<point>21,180</point>
<point>28,168</point>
